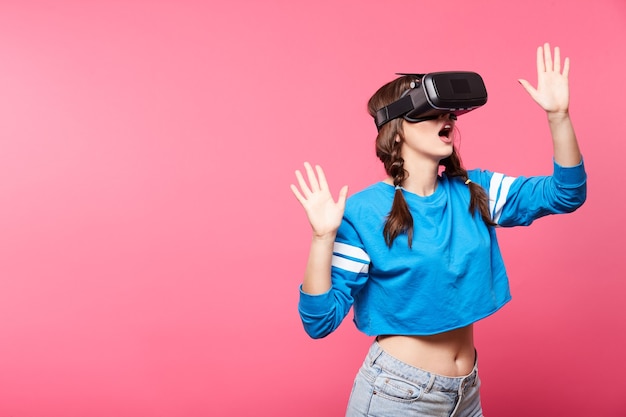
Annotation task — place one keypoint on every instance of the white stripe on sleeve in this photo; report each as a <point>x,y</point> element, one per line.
<point>350,265</point>
<point>351,251</point>
<point>494,186</point>
<point>498,193</point>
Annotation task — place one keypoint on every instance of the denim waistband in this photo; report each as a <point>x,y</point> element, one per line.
<point>427,380</point>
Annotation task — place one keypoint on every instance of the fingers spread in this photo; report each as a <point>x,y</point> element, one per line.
<point>321,178</point>
<point>529,88</point>
<point>557,60</point>
<point>303,185</point>
<point>297,193</point>
<point>566,67</point>
<point>546,62</point>
<point>312,178</point>
<point>540,61</point>
<point>547,56</point>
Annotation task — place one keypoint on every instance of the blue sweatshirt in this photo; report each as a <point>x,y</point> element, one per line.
<point>453,275</point>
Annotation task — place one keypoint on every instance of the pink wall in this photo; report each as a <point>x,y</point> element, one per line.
<point>150,248</point>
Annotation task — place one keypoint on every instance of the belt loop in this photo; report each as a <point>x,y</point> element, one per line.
<point>431,382</point>
<point>376,351</point>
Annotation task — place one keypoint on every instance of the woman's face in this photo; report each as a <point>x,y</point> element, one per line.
<point>430,139</point>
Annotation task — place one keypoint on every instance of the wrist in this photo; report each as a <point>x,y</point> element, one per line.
<point>557,116</point>
<point>324,237</point>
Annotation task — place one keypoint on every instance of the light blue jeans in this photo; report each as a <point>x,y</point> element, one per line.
<point>388,387</point>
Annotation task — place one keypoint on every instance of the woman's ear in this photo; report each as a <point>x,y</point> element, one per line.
<point>400,128</point>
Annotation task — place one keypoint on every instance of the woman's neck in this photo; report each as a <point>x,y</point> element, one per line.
<point>421,179</point>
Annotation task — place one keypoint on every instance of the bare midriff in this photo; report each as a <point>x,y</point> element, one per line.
<point>449,354</point>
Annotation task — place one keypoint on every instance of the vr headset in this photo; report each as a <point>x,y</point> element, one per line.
<point>434,94</point>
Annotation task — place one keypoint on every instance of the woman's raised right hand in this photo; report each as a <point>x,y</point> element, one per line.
<point>324,213</point>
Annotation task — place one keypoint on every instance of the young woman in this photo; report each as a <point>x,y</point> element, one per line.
<point>416,254</point>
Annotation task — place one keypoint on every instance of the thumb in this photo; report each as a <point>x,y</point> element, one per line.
<point>529,88</point>
<point>343,195</point>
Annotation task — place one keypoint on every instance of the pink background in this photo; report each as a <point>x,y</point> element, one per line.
<point>150,247</point>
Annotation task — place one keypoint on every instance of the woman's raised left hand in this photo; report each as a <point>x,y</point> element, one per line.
<point>552,92</point>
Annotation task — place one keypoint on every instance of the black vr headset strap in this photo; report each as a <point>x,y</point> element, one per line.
<point>394,110</point>
<point>399,107</point>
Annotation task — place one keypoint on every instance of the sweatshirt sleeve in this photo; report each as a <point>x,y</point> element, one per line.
<point>321,314</point>
<point>518,201</point>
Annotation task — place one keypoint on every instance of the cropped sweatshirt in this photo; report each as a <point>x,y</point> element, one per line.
<point>453,275</point>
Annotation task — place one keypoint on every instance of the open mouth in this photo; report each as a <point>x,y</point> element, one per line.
<point>445,132</point>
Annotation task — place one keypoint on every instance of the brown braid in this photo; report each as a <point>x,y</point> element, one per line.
<point>399,219</point>
<point>478,197</point>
